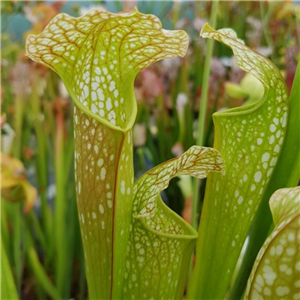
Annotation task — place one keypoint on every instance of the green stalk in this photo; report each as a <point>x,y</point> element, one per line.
<point>19,111</point>
<point>8,288</point>
<point>183,89</point>
<point>70,214</point>
<point>176,13</point>
<point>60,204</point>
<point>186,137</point>
<point>17,214</point>
<point>202,110</point>
<point>161,127</point>
<point>198,67</point>
<point>41,159</point>
<point>52,94</point>
<point>297,26</point>
<point>70,242</point>
<point>37,228</point>
<point>4,228</point>
<point>12,214</point>
<point>69,159</point>
<point>182,129</point>
<point>41,275</point>
<point>17,243</point>
<point>29,242</point>
<point>265,17</point>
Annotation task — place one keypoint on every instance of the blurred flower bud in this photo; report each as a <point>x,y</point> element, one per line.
<point>129,5</point>
<point>14,186</point>
<point>8,136</point>
<point>198,23</point>
<point>3,120</point>
<point>152,126</point>
<point>28,153</point>
<point>218,70</point>
<point>177,149</point>
<point>21,79</point>
<point>29,15</point>
<point>139,135</point>
<point>236,74</point>
<point>265,51</point>
<point>181,24</point>
<point>62,90</point>
<point>171,66</point>
<point>254,36</point>
<point>181,101</point>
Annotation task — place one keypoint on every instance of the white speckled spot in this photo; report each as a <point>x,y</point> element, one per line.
<point>101,208</point>
<point>257,176</point>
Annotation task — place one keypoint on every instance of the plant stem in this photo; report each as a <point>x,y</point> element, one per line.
<point>41,159</point>
<point>176,13</point>
<point>41,275</point>
<point>17,244</point>
<point>19,111</point>
<point>17,234</point>
<point>8,288</point>
<point>60,203</point>
<point>265,17</point>
<point>182,115</point>
<point>5,239</point>
<point>202,110</point>
<point>70,245</point>
<point>32,218</point>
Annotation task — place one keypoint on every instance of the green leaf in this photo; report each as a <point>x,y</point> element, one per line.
<point>40,274</point>
<point>276,272</point>
<point>249,139</point>
<point>98,56</point>
<point>160,242</point>
<point>8,286</point>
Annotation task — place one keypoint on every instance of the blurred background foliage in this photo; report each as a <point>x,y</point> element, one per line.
<point>36,122</point>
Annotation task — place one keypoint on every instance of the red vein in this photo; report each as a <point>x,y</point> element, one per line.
<point>113,215</point>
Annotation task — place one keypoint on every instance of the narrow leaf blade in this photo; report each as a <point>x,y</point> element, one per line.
<point>8,286</point>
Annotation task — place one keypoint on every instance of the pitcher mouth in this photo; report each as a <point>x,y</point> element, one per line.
<point>98,56</point>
